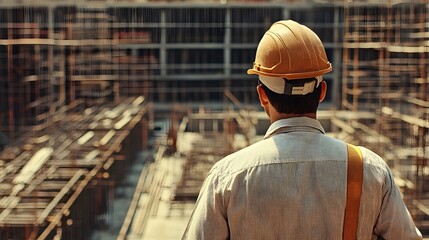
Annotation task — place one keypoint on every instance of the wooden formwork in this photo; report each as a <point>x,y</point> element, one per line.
<point>205,152</point>
<point>211,136</point>
<point>57,184</point>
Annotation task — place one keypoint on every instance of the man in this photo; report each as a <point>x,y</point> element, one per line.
<point>292,184</point>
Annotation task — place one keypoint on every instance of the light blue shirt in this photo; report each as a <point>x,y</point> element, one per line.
<point>292,185</point>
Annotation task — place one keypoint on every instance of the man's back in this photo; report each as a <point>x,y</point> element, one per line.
<point>292,185</point>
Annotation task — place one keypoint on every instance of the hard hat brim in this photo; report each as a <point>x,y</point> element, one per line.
<point>292,76</point>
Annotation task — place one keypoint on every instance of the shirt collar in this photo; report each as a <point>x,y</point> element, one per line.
<point>305,124</point>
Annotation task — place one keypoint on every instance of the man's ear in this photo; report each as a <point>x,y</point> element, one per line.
<point>263,99</point>
<point>323,86</point>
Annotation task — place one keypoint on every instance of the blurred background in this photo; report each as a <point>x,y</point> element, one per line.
<point>112,112</point>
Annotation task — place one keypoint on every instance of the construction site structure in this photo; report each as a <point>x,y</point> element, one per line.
<point>61,54</point>
<point>385,74</point>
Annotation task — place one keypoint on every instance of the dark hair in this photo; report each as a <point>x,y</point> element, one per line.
<point>297,104</point>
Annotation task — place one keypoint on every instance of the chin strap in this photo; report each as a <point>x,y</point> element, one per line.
<point>354,190</point>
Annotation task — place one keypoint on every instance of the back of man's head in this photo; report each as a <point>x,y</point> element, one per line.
<point>294,104</point>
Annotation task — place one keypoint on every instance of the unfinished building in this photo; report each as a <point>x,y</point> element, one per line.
<point>80,83</point>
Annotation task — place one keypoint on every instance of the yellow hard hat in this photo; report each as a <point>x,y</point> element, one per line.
<point>292,51</point>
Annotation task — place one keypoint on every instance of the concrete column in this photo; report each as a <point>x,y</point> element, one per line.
<point>163,42</point>
<point>337,64</point>
<point>227,50</point>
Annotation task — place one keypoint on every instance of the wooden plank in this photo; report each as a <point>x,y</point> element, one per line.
<point>75,163</point>
<point>91,156</point>
<point>52,185</point>
<point>408,49</point>
<point>33,165</point>
<point>32,205</point>
<point>106,138</point>
<point>38,195</point>
<point>94,78</point>
<point>375,45</point>
<point>9,203</point>
<point>85,138</point>
<point>138,101</point>
<point>119,125</point>
<point>84,42</point>
<point>28,41</point>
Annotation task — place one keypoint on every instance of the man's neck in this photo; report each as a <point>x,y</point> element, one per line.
<point>278,116</point>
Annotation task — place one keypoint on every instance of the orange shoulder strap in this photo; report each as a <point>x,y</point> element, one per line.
<point>354,190</point>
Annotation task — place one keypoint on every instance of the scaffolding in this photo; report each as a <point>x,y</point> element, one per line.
<point>91,64</point>
<point>32,77</point>
<point>385,72</point>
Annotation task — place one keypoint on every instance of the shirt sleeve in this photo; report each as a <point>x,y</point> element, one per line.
<point>395,221</point>
<point>208,220</point>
